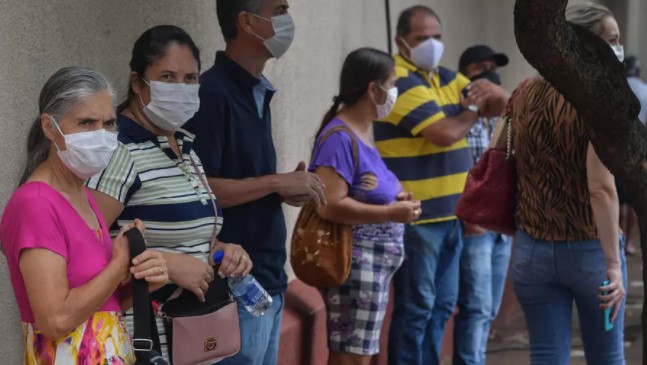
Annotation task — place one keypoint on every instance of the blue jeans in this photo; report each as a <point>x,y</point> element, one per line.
<point>426,290</point>
<point>548,277</point>
<point>484,266</point>
<point>259,336</point>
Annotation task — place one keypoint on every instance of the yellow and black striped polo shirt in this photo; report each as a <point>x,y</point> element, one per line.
<point>435,175</point>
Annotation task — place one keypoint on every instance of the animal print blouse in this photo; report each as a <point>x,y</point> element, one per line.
<point>551,143</point>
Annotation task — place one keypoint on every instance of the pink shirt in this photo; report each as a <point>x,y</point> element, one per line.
<point>38,216</point>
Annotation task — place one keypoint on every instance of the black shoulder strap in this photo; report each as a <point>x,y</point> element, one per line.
<point>143,316</point>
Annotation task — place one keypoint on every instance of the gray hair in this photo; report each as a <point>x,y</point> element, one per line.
<point>588,15</point>
<point>63,91</point>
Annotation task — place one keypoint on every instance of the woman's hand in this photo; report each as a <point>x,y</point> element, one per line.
<point>189,273</point>
<point>121,248</point>
<point>150,266</point>
<point>404,211</point>
<point>235,262</point>
<point>615,291</point>
<point>404,196</point>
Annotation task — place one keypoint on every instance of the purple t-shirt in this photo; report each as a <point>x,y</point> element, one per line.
<point>372,183</point>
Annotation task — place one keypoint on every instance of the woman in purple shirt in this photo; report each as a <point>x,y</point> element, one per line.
<point>361,192</point>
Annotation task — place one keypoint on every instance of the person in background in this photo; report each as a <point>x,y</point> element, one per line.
<point>423,141</point>
<point>568,243</point>
<point>69,276</point>
<point>233,131</point>
<point>639,87</point>
<point>485,256</point>
<point>369,197</point>
<point>152,174</point>
<point>628,218</point>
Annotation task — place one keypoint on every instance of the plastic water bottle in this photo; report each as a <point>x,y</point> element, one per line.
<point>248,291</point>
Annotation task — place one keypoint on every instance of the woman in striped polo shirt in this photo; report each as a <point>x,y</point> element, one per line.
<point>153,174</point>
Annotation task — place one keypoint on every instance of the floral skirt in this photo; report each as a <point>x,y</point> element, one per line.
<point>356,310</point>
<point>102,340</point>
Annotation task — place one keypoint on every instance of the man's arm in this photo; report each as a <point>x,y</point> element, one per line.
<point>301,184</point>
<point>450,130</point>
<point>232,193</point>
<point>490,98</point>
<point>419,112</point>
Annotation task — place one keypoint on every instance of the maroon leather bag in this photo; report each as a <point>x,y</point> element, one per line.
<point>490,190</point>
<point>489,197</point>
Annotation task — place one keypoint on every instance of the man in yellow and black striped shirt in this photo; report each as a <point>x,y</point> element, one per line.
<point>424,143</point>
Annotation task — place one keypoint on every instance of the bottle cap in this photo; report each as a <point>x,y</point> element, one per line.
<point>217,257</point>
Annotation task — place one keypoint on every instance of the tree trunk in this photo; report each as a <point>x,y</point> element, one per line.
<point>583,67</point>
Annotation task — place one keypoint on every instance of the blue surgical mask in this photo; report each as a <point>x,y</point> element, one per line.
<point>284,29</point>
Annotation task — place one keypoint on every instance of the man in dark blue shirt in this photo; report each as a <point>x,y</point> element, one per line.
<point>234,141</point>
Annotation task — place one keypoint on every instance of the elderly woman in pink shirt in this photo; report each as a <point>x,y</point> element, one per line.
<point>67,273</point>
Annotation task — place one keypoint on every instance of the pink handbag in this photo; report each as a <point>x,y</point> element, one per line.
<point>201,333</point>
<point>197,332</point>
<point>206,338</point>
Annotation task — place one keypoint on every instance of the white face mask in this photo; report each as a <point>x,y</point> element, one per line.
<point>427,54</point>
<point>280,42</point>
<point>619,50</point>
<point>87,153</point>
<point>172,104</point>
<point>385,109</point>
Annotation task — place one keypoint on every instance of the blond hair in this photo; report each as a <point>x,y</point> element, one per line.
<point>588,15</point>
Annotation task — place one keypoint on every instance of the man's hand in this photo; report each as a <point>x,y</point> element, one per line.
<point>297,201</point>
<point>491,97</point>
<point>301,187</point>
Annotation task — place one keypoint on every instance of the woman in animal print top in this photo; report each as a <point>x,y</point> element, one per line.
<point>568,242</point>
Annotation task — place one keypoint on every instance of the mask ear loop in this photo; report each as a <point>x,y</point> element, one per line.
<point>408,58</point>
<point>140,96</point>
<point>386,93</point>
<point>59,130</point>
<point>267,20</point>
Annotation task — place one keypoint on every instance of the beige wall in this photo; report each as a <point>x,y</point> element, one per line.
<point>38,37</point>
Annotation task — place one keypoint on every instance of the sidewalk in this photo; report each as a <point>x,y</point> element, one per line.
<point>510,345</point>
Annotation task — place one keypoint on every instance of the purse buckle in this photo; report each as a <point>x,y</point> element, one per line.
<point>210,344</point>
<point>142,344</point>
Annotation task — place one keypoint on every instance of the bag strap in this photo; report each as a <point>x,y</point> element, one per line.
<point>343,128</point>
<point>212,197</point>
<point>205,184</point>
<point>507,120</point>
<point>142,338</point>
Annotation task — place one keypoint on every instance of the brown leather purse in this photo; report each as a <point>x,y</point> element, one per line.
<point>322,251</point>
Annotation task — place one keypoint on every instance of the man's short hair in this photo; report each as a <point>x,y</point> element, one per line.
<point>404,21</point>
<point>228,11</point>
